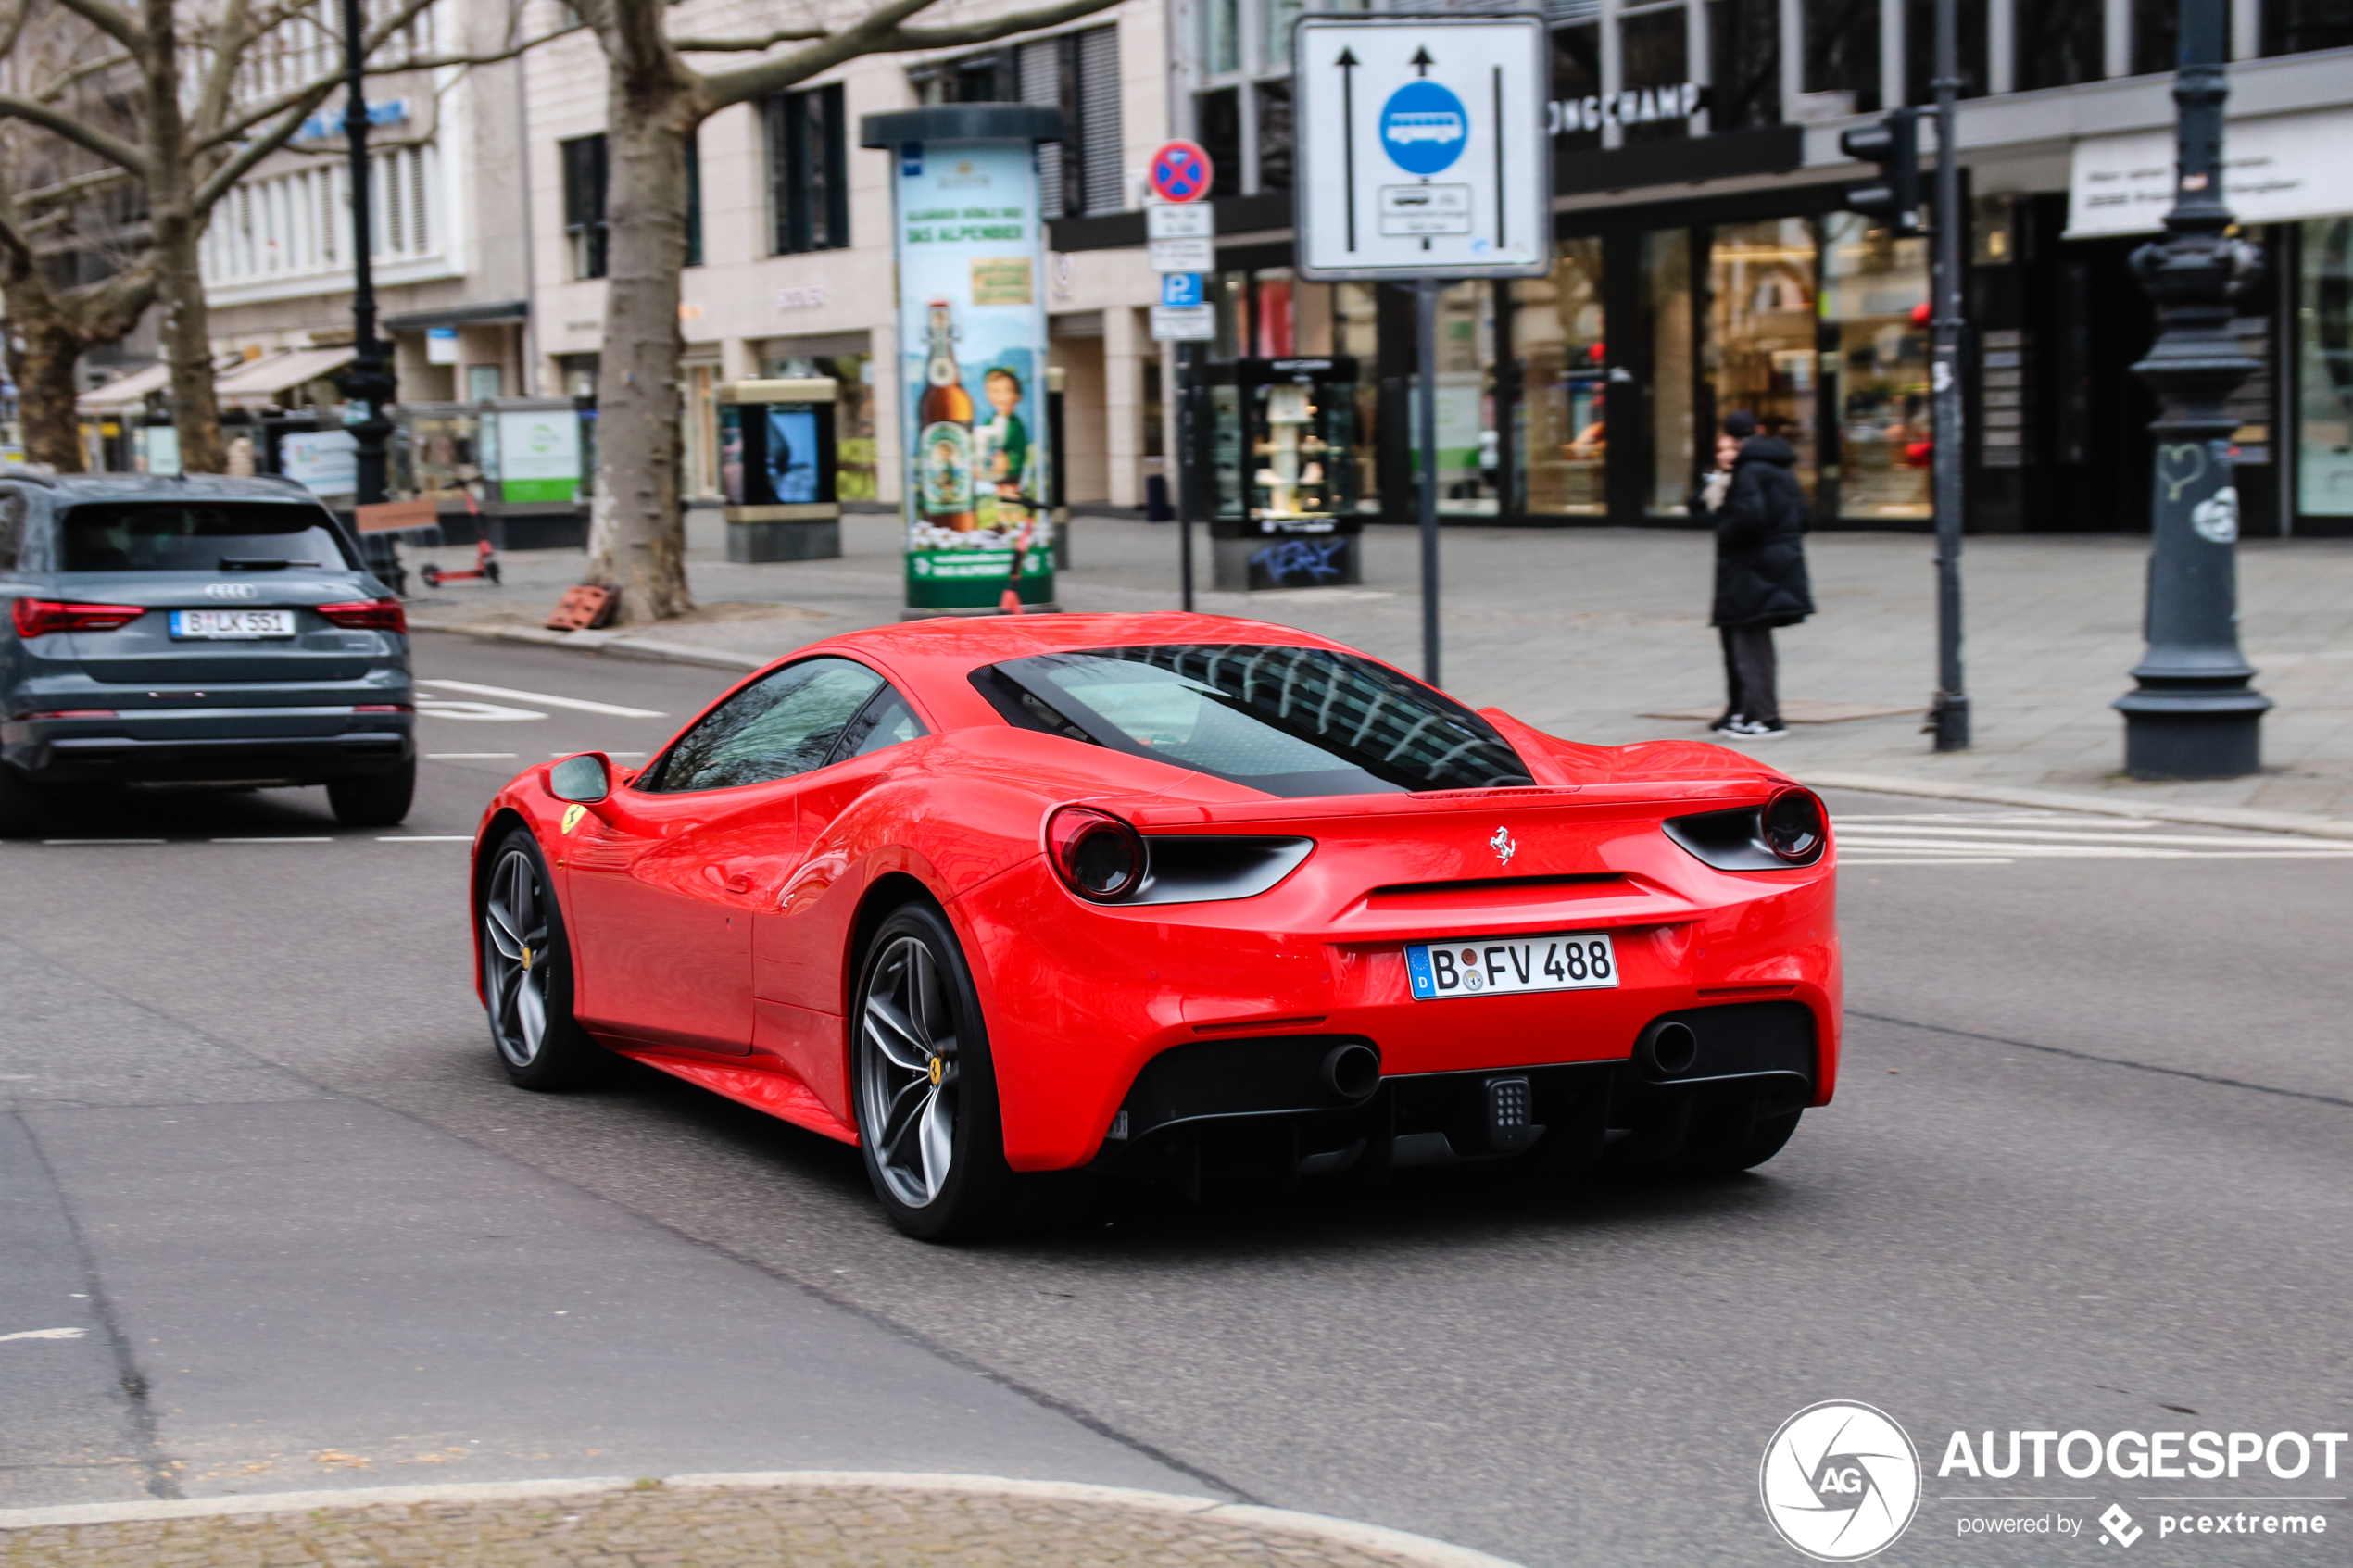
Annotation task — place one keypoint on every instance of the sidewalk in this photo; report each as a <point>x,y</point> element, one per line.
<point>1590,633</point>
<point>717,1521</point>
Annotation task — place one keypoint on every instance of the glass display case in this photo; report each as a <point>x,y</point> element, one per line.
<point>1285,454</point>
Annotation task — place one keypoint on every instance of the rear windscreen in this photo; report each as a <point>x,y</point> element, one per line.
<point>199,536</point>
<point>1291,722</point>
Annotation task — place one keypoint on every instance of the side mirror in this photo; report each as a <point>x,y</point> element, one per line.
<point>584,780</point>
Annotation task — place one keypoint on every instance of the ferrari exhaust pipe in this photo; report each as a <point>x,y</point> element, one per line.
<point>1351,1071</point>
<point>1667,1049</point>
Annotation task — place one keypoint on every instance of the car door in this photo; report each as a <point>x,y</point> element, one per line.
<point>800,935</point>
<point>666,873</point>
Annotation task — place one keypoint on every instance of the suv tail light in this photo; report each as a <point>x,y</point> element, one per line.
<point>368,615</point>
<point>38,618</point>
<point>1100,858</point>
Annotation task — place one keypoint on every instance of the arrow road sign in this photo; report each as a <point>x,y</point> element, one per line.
<point>1421,147</point>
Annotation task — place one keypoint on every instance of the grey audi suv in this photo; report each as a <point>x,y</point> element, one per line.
<point>197,628</point>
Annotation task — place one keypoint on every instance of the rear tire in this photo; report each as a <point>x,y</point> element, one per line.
<point>526,968</point>
<point>24,805</point>
<point>925,1084</point>
<point>373,800</point>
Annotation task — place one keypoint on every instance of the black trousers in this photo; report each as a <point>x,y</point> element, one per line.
<point>1752,672</point>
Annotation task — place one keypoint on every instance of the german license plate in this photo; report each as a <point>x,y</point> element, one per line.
<point>233,624</point>
<point>1489,966</point>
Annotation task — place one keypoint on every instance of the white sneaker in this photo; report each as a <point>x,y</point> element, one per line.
<point>1750,729</point>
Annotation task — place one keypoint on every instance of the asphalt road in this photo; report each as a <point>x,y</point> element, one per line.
<point>2088,1167</point>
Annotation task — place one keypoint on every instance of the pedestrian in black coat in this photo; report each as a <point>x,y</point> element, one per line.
<point>1760,574</point>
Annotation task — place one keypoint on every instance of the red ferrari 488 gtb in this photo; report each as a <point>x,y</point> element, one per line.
<point>1167,895</point>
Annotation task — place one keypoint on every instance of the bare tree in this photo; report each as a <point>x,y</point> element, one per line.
<point>202,126</point>
<point>654,102</point>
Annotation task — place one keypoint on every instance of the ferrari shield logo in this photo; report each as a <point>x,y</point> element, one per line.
<point>573,815</point>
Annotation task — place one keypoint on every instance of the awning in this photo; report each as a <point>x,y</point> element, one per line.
<point>256,382</point>
<point>126,392</point>
<point>492,314</point>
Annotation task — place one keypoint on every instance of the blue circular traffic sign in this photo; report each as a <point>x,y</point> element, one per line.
<point>1424,128</point>
<point>1181,172</point>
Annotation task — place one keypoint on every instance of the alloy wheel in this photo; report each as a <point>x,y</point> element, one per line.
<point>908,1071</point>
<point>514,929</point>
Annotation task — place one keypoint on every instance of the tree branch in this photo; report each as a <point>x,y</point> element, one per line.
<point>88,137</point>
<point>82,72</point>
<point>80,188</point>
<point>745,46</point>
<point>240,163</point>
<point>908,38</point>
<point>747,83</point>
<point>13,28</point>
<point>109,19</point>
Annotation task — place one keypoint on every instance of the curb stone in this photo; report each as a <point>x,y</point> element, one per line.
<point>1401,1545</point>
<point>2056,800</point>
<point>613,642</point>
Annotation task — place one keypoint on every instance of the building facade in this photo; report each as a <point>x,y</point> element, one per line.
<point>1704,261</point>
<point>790,269</point>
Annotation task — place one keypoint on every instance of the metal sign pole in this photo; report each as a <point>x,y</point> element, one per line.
<point>1192,481</point>
<point>1949,715</point>
<point>1426,412</point>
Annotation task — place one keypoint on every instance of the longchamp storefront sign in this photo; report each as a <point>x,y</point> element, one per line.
<point>1643,106</point>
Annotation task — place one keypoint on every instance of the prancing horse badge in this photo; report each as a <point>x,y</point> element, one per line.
<point>1503,845</point>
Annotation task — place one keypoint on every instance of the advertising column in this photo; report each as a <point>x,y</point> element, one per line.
<point>972,355</point>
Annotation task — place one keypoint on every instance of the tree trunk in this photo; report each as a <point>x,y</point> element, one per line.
<point>636,535</point>
<point>42,351</point>
<point>186,327</point>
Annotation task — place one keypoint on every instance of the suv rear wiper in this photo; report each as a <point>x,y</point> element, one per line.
<point>261,563</point>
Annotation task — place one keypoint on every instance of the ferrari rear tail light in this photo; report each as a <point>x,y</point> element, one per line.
<point>72,713</point>
<point>1099,857</point>
<point>381,708</point>
<point>1795,825</point>
<point>367,615</point>
<point>38,618</point>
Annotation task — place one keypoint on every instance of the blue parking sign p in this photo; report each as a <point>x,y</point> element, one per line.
<point>1180,290</point>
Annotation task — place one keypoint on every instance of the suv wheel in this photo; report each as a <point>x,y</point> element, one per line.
<point>373,800</point>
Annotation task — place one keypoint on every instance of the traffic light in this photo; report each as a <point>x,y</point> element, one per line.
<point>1892,143</point>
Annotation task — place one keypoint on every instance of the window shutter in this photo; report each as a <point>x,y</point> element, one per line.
<point>1040,69</point>
<point>1099,117</point>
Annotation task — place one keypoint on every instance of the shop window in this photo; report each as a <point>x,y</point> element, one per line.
<point>1562,447</point>
<point>1471,460</point>
<point>2292,27</point>
<point>2061,42</point>
<point>583,169</point>
<point>1222,46</point>
<point>1744,53</point>
<point>1576,116</point>
<point>1920,48</point>
<point>808,171</point>
<point>1760,349</point>
<point>1842,50</point>
<point>1655,48</point>
<point>2157,33</point>
<point>2325,354</point>
<point>1875,304</point>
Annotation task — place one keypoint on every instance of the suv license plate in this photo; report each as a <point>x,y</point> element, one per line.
<point>233,624</point>
<point>1487,966</point>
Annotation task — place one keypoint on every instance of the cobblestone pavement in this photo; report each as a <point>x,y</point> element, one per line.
<point>1591,632</point>
<point>734,1526</point>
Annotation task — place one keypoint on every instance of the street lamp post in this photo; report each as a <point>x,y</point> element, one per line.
<point>369,382</point>
<point>2193,714</point>
<point>1948,713</point>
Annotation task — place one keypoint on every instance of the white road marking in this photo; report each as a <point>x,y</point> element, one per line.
<point>472,756</point>
<point>1846,861</point>
<point>102,841</point>
<point>319,840</point>
<point>46,1333</point>
<point>1953,838</point>
<point>426,838</point>
<point>581,704</point>
<point>433,706</point>
<point>2237,841</point>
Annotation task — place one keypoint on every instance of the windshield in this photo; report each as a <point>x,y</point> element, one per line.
<point>1291,722</point>
<point>199,536</point>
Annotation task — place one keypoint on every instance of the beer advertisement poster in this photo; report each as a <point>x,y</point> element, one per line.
<point>972,339</point>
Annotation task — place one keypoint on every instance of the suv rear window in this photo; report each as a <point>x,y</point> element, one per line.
<point>199,537</point>
<point>1291,722</point>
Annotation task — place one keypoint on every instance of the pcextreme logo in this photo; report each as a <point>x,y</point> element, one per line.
<point>1840,1481</point>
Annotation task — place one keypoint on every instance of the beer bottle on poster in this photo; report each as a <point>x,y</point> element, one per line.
<point>944,444</point>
